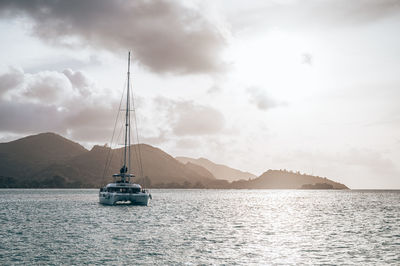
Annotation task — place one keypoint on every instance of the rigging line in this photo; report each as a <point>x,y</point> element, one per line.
<point>112,139</point>
<point>137,137</point>
<point>129,119</point>
<point>136,147</point>
<point>120,139</point>
<point>111,152</point>
<point>116,144</point>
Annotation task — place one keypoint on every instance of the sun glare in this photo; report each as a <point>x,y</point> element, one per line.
<point>278,61</point>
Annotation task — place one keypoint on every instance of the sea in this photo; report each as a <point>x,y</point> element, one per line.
<point>206,227</point>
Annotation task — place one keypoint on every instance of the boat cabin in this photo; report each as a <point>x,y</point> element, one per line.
<point>120,187</point>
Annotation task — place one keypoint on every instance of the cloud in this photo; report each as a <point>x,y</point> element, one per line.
<point>374,160</point>
<point>69,103</point>
<point>78,81</point>
<point>161,137</point>
<point>30,118</point>
<point>62,102</point>
<point>214,89</point>
<point>261,99</point>
<point>65,62</point>
<point>47,87</point>
<point>10,80</point>
<point>187,118</point>
<point>188,143</point>
<point>354,13</point>
<point>166,36</point>
<point>314,13</point>
<point>307,59</point>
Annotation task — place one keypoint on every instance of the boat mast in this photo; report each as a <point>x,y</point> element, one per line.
<point>127,125</point>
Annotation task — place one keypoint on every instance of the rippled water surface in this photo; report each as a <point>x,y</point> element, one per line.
<point>201,227</point>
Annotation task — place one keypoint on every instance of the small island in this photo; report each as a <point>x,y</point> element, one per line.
<point>317,186</point>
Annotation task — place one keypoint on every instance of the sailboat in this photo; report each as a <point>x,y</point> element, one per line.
<point>122,190</point>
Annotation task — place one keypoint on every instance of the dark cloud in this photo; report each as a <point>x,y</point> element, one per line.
<point>188,118</point>
<point>261,99</point>
<point>166,36</point>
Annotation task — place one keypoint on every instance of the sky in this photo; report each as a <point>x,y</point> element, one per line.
<point>310,86</point>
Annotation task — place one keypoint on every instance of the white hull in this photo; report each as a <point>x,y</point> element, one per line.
<point>113,198</point>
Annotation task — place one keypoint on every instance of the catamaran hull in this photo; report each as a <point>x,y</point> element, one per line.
<point>107,198</point>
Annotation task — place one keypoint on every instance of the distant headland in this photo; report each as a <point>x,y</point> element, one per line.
<point>48,160</point>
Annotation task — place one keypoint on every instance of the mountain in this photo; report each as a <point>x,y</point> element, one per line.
<point>50,160</point>
<point>161,169</point>
<point>282,179</point>
<point>218,170</point>
<point>21,157</point>
<point>200,170</point>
